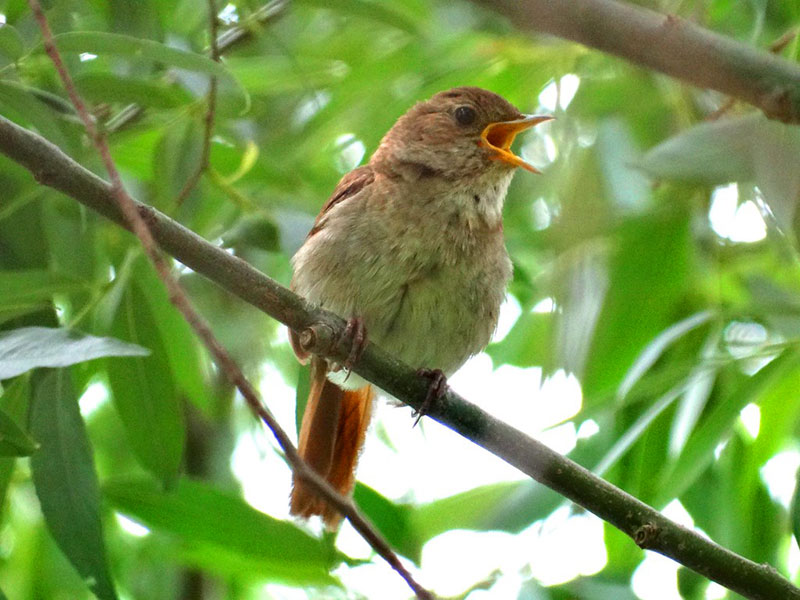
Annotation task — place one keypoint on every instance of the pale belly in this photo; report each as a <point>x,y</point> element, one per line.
<point>427,283</point>
<point>437,320</point>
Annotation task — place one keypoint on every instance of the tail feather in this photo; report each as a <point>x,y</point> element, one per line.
<point>332,433</point>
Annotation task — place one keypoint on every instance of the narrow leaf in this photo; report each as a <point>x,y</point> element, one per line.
<point>65,479</point>
<point>14,402</point>
<point>13,440</point>
<point>699,449</point>
<point>653,351</point>
<point>796,510</point>
<point>32,110</point>
<point>711,152</point>
<point>34,287</point>
<point>493,506</point>
<point>392,519</point>
<point>100,42</point>
<point>143,388</point>
<point>226,527</point>
<point>108,87</point>
<point>30,347</point>
<point>11,45</point>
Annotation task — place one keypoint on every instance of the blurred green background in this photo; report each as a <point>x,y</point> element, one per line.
<point>655,262</point>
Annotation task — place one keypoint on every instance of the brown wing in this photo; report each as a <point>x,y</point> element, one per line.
<point>351,184</point>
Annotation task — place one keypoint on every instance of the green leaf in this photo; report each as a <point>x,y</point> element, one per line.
<point>101,43</point>
<point>653,351</point>
<point>184,355</point>
<point>795,508</point>
<point>392,519</point>
<point>143,389</point>
<point>30,347</point>
<point>14,402</point>
<point>65,479</point>
<point>34,112</point>
<point>480,509</point>
<point>108,87</point>
<point>648,274</point>
<point>13,440</point>
<point>381,12</point>
<point>528,343</point>
<point>712,152</point>
<point>215,524</point>
<point>775,151</point>
<point>11,44</point>
<point>33,289</point>
<point>747,148</point>
<point>699,449</point>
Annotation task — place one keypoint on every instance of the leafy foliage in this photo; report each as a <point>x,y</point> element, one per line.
<point>656,259</point>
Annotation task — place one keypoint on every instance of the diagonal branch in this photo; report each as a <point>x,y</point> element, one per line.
<point>669,44</point>
<point>130,215</point>
<point>319,330</point>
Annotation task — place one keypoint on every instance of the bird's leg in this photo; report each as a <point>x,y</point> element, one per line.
<point>436,389</point>
<point>354,335</point>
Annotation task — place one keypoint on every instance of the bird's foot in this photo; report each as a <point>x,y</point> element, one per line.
<point>436,389</point>
<point>354,335</point>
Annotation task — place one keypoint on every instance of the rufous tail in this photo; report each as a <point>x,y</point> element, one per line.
<point>332,434</point>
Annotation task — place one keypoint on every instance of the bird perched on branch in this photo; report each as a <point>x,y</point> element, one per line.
<point>410,249</point>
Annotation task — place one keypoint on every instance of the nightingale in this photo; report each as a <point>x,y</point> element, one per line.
<point>410,249</point>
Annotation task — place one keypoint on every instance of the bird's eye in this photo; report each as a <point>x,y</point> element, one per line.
<point>465,115</point>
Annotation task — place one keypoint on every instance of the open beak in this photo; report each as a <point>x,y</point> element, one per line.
<point>497,137</point>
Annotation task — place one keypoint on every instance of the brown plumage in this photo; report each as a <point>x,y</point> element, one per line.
<point>412,245</point>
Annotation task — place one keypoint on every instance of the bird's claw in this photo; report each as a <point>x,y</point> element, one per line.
<point>354,334</point>
<point>436,390</point>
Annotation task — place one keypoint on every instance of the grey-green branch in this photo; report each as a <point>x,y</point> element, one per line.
<point>319,331</point>
<point>668,44</point>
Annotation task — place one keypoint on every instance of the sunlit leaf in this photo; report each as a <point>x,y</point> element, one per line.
<point>713,430</point>
<point>199,515</point>
<point>30,347</point>
<point>656,348</point>
<point>392,519</point>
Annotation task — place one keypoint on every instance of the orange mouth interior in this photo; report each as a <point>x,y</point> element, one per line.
<point>499,136</point>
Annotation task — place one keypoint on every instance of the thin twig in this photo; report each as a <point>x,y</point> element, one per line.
<point>226,41</point>
<point>646,526</point>
<point>136,222</point>
<point>211,106</point>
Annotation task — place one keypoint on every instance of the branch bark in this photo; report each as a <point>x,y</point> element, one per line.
<point>320,331</point>
<point>666,43</point>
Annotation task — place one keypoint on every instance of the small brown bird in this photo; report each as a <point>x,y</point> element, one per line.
<point>410,249</point>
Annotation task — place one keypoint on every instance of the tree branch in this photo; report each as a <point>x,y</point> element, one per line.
<point>669,44</point>
<point>320,331</point>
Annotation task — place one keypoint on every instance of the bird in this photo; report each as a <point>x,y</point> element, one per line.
<point>409,249</point>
